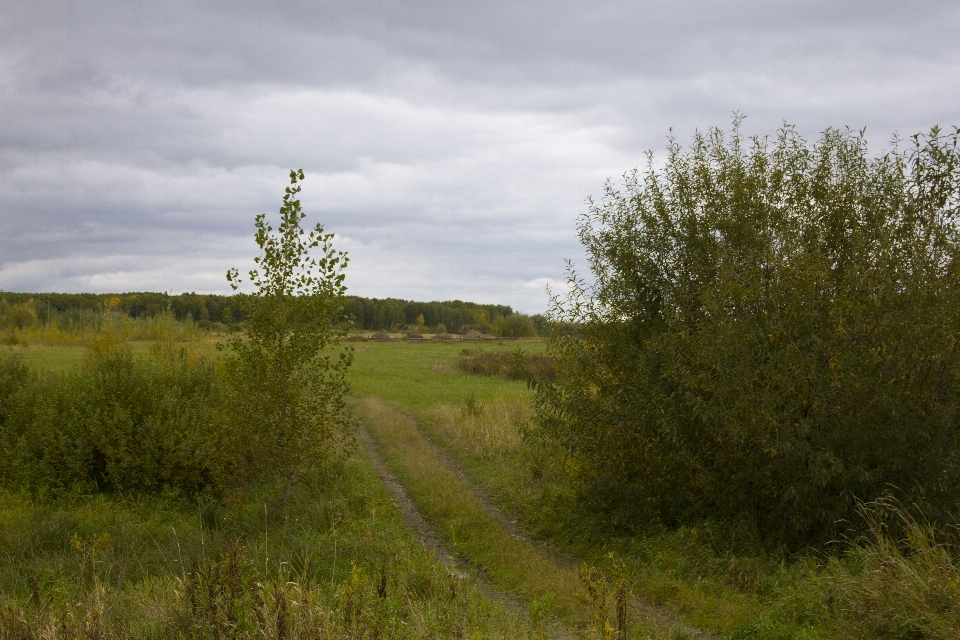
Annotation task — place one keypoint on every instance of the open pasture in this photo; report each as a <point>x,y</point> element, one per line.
<point>421,375</point>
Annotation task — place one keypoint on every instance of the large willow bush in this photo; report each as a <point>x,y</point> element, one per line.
<point>769,334</point>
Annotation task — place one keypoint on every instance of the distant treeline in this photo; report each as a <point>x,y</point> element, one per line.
<point>373,314</point>
<point>385,314</point>
<point>143,304</point>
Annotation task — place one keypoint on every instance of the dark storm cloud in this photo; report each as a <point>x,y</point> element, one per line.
<point>450,145</point>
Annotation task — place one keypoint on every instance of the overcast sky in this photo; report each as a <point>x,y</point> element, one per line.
<point>449,145</point>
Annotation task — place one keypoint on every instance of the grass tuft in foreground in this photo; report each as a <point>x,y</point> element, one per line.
<point>899,582</point>
<point>341,565</point>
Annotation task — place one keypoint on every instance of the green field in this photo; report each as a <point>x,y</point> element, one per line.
<point>342,561</point>
<point>420,376</point>
<point>65,358</point>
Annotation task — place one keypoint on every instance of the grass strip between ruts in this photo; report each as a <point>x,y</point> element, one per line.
<point>513,565</point>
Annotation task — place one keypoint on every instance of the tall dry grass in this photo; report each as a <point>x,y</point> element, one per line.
<point>483,429</point>
<point>227,599</point>
<point>900,577</point>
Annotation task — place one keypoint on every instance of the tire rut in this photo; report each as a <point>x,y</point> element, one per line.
<point>415,521</point>
<point>646,609</point>
<point>420,526</point>
<point>502,518</point>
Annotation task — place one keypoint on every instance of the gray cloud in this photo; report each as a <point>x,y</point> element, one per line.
<point>449,145</point>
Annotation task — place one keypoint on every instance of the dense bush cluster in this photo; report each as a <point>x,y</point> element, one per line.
<point>512,365</point>
<point>770,334</point>
<point>116,424</point>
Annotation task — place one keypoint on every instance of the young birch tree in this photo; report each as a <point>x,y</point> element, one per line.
<point>291,376</point>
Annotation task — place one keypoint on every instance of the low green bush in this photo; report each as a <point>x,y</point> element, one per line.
<point>116,424</point>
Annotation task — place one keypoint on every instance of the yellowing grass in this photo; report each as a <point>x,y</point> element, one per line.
<point>489,429</point>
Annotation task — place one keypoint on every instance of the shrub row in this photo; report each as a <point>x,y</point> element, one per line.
<point>115,424</point>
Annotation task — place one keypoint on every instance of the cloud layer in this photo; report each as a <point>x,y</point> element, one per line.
<point>450,146</point>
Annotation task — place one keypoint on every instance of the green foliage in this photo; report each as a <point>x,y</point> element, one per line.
<point>13,375</point>
<point>74,313</point>
<point>115,424</point>
<point>66,308</point>
<point>388,314</point>
<point>516,325</point>
<point>770,335</point>
<point>22,315</point>
<point>289,380</point>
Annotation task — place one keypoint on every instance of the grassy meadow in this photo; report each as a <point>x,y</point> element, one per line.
<point>340,562</point>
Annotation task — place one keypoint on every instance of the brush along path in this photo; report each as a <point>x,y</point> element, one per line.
<point>514,564</point>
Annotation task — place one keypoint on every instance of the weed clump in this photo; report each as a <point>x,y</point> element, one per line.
<point>340,564</point>
<point>900,577</point>
<point>513,365</point>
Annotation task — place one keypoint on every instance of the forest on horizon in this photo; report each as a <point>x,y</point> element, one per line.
<point>370,314</point>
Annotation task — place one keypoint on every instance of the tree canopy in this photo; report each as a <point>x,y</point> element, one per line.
<point>769,333</point>
<point>290,378</point>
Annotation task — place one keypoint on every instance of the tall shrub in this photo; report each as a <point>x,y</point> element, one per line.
<point>515,325</point>
<point>290,378</point>
<point>770,333</point>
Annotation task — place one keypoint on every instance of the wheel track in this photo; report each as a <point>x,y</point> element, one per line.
<point>425,533</point>
<point>643,608</point>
